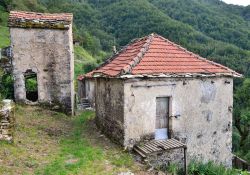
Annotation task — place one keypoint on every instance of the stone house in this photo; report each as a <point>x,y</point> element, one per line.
<point>42,47</point>
<point>86,90</point>
<point>154,88</point>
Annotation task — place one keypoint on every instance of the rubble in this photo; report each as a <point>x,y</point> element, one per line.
<point>7,121</point>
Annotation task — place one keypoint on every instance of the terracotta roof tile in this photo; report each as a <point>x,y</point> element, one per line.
<point>153,55</point>
<point>24,19</point>
<point>80,77</point>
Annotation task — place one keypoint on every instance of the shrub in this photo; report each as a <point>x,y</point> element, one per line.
<point>210,168</point>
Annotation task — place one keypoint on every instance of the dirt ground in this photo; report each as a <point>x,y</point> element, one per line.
<point>47,142</point>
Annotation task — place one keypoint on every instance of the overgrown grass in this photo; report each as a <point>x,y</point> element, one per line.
<point>76,154</point>
<point>85,61</point>
<point>82,58</point>
<point>32,147</point>
<point>210,168</point>
<point>4,30</point>
<point>48,142</point>
<point>4,37</point>
<point>199,168</point>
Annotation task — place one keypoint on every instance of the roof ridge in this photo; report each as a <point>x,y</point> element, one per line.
<point>130,61</point>
<point>112,57</point>
<point>33,12</point>
<point>199,57</point>
<point>136,60</point>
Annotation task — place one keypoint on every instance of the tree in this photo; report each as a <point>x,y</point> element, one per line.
<point>242,116</point>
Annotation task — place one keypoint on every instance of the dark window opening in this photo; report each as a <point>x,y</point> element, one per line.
<point>31,85</point>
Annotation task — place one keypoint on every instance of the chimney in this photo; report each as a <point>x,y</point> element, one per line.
<point>114,50</point>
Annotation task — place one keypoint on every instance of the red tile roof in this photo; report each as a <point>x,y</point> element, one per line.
<point>155,55</point>
<point>39,20</point>
<point>80,77</point>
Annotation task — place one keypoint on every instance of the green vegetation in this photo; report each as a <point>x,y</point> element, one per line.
<point>4,36</point>
<point>4,30</point>
<point>75,153</point>
<point>199,168</point>
<point>48,142</point>
<point>85,62</point>
<point>241,136</point>
<point>210,28</point>
<point>215,19</point>
<point>31,84</point>
<point>82,59</point>
<point>6,86</point>
<point>211,168</point>
<point>220,32</point>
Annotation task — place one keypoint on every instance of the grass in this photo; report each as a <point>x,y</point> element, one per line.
<point>82,57</point>
<point>48,142</point>
<point>4,37</point>
<point>200,168</point>
<point>4,30</point>
<point>75,153</point>
<point>210,168</point>
<point>85,62</point>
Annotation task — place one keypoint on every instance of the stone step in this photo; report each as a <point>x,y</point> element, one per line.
<point>86,104</point>
<point>84,99</point>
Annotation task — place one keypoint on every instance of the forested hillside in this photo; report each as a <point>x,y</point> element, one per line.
<point>210,28</point>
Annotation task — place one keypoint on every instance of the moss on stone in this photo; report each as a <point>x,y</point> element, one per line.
<point>39,24</point>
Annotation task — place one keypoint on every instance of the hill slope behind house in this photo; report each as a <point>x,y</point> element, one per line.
<point>4,31</point>
<point>129,19</point>
<point>215,20</point>
<point>210,28</point>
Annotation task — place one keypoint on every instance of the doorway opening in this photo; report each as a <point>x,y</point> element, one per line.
<point>162,118</point>
<point>31,85</point>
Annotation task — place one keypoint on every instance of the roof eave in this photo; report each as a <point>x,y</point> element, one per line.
<point>182,75</point>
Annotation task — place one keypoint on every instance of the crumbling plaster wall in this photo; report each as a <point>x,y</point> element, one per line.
<point>203,108</point>
<point>90,91</point>
<point>86,90</point>
<point>81,90</point>
<point>110,108</point>
<point>49,53</point>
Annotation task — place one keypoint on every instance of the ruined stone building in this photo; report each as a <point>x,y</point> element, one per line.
<point>154,88</point>
<point>86,90</point>
<point>42,47</point>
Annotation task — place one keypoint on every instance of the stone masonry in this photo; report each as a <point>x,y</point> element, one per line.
<point>197,94</point>
<point>200,111</point>
<point>42,44</point>
<point>7,120</point>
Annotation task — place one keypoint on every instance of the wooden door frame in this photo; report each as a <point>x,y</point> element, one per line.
<point>169,115</point>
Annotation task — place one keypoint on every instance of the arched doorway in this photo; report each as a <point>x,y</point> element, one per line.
<point>31,85</point>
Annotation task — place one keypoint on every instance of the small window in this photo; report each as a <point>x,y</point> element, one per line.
<point>31,85</point>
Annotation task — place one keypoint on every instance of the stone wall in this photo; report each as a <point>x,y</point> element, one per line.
<point>201,110</point>
<point>7,121</point>
<point>90,91</point>
<point>49,53</point>
<point>109,108</point>
<point>81,91</point>
<point>162,160</point>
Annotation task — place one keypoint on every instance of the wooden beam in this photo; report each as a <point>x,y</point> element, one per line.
<point>185,161</point>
